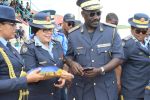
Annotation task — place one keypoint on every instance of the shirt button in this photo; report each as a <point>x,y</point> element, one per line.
<point>52,93</point>
<point>74,98</point>
<point>93,61</point>
<point>94,84</point>
<point>76,83</point>
<point>113,82</point>
<point>92,49</point>
<point>55,64</point>
<point>105,51</point>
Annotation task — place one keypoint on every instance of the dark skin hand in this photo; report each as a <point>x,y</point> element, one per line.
<point>108,67</point>
<point>76,68</point>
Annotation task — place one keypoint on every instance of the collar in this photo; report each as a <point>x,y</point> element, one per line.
<point>3,41</point>
<point>39,43</point>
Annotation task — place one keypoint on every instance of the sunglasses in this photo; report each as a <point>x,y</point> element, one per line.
<point>70,23</point>
<point>92,14</point>
<point>143,31</point>
<point>47,30</point>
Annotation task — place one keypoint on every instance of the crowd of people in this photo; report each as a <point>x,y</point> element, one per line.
<point>96,63</point>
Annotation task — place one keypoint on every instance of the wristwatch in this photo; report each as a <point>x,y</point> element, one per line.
<point>102,70</point>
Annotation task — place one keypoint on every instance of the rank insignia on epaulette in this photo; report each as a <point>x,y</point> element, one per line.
<point>24,49</point>
<point>127,38</point>
<point>74,28</point>
<point>112,25</point>
<point>29,41</point>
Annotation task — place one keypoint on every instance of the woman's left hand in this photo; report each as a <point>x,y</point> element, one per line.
<point>61,83</point>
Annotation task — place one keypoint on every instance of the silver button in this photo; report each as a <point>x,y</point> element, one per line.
<point>76,83</point>
<point>105,51</point>
<point>52,93</point>
<point>93,61</point>
<point>74,98</point>
<point>55,64</point>
<point>92,49</point>
<point>113,82</point>
<point>94,84</point>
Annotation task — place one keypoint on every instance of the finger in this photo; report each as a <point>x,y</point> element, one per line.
<point>37,70</point>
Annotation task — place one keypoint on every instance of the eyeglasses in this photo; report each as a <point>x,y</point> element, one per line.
<point>47,30</point>
<point>70,23</point>
<point>92,14</point>
<point>9,23</point>
<point>143,31</point>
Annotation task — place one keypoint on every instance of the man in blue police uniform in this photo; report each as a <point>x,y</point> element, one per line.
<point>136,66</point>
<point>94,50</point>
<point>13,79</point>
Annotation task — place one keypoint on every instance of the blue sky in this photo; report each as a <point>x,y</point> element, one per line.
<point>123,8</point>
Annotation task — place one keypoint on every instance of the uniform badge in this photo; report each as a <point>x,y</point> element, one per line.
<point>104,45</point>
<point>42,62</point>
<point>78,48</point>
<point>140,53</point>
<point>24,49</point>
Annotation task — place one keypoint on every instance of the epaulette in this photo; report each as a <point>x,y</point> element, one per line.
<point>127,38</point>
<point>111,25</point>
<point>74,28</point>
<point>30,41</point>
<point>55,41</point>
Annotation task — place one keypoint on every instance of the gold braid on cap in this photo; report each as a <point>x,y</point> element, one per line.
<point>23,94</point>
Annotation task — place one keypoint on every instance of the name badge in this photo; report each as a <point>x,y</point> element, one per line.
<point>78,48</point>
<point>104,45</point>
<point>43,62</point>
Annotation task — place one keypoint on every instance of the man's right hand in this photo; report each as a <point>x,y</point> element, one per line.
<point>34,76</point>
<point>76,68</point>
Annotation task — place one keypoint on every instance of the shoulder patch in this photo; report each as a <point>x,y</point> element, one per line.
<point>24,49</point>
<point>74,28</point>
<point>111,25</point>
<point>30,41</point>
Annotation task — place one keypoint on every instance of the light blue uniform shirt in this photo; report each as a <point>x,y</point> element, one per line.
<point>58,36</point>
<point>39,43</point>
<point>3,41</point>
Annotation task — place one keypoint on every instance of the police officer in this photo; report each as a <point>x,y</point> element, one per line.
<point>112,18</point>
<point>43,51</point>
<point>94,51</point>
<point>13,79</point>
<point>136,66</point>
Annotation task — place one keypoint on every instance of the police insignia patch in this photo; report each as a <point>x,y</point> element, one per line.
<point>24,49</point>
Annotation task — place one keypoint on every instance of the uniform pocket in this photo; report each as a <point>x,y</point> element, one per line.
<point>80,55</point>
<point>104,54</point>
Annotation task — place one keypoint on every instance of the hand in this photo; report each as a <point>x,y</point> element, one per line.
<point>92,73</point>
<point>34,76</point>
<point>76,68</point>
<point>67,76</point>
<point>61,83</point>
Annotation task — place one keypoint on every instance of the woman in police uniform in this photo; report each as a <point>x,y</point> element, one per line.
<point>13,80</point>
<point>136,66</point>
<point>43,51</point>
